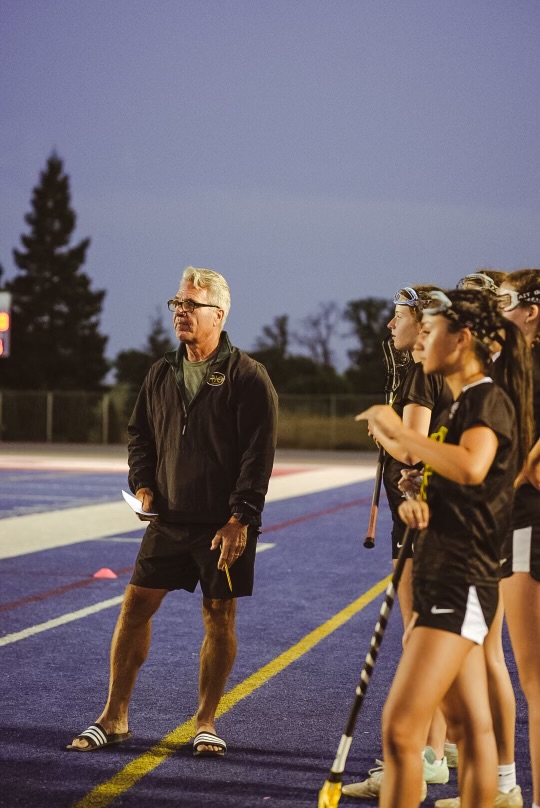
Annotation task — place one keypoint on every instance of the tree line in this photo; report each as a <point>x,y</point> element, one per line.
<point>57,343</point>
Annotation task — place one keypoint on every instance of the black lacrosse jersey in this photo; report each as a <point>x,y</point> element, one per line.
<point>527,501</point>
<point>535,352</point>
<point>468,522</point>
<point>426,391</point>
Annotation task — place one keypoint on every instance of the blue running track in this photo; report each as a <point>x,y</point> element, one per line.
<point>282,728</point>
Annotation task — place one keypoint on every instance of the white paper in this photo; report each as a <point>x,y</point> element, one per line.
<point>136,505</point>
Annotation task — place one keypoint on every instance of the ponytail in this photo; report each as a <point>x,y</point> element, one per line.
<point>516,365</point>
<point>478,311</point>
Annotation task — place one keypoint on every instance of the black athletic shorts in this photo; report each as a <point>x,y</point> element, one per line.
<point>521,547</point>
<point>391,477</point>
<point>456,607</point>
<point>175,556</point>
<point>398,534</point>
<point>398,526</point>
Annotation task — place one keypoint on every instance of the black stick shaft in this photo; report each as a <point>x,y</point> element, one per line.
<point>369,541</point>
<point>339,763</point>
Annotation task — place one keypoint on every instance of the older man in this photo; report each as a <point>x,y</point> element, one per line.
<point>201,447</point>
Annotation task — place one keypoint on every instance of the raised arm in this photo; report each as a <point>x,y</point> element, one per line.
<point>415,417</point>
<point>467,463</point>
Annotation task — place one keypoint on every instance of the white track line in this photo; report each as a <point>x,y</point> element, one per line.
<point>319,478</point>
<point>36,532</point>
<point>60,621</point>
<point>20,535</point>
<point>60,463</point>
<point>97,607</point>
<point>261,545</point>
<point>264,545</point>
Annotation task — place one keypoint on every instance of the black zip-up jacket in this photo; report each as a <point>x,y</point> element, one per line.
<point>213,457</point>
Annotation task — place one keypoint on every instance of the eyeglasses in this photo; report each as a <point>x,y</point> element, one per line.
<point>411,298</point>
<point>444,303</point>
<point>477,280</point>
<point>509,299</point>
<point>189,305</point>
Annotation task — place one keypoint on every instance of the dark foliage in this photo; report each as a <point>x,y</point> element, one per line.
<point>132,366</point>
<point>369,319</point>
<point>300,374</point>
<point>56,343</point>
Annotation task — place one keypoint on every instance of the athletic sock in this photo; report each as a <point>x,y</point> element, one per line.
<point>507,777</point>
<point>433,762</point>
<point>450,747</point>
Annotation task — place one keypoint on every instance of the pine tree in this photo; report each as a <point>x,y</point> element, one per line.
<point>56,342</point>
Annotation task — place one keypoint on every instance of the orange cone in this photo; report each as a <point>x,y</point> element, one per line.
<point>105,572</point>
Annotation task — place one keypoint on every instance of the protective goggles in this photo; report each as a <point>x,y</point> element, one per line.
<point>444,306</point>
<point>406,297</point>
<point>438,303</point>
<point>477,280</point>
<point>509,299</point>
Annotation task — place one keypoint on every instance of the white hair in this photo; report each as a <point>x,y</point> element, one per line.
<point>218,288</point>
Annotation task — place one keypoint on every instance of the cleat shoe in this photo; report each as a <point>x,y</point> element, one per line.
<point>513,799</point>
<point>451,754</point>
<point>368,789</point>
<point>371,788</point>
<point>432,773</point>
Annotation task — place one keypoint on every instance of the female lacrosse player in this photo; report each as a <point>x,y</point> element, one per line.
<point>423,403</point>
<point>519,301</point>
<point>468,483</point>
<point>500,689</point>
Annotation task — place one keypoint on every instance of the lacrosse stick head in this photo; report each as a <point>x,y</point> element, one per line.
<point>396,362</point>
<point>329,795</point>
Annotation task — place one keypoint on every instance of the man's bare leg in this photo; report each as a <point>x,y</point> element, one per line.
<point>218,652</point>
<point>129,649</point>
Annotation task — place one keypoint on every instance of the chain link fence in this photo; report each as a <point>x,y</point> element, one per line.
<point>305,422</point>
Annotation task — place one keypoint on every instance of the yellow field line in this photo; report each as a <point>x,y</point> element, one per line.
<point>104,794</point>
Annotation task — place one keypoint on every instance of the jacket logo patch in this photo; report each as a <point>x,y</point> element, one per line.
<point>216,379</point>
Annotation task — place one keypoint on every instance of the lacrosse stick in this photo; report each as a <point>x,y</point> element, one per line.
<point>395,362</point>
<point>330,793</point>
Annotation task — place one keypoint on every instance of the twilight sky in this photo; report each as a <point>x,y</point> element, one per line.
<point>309,150</point>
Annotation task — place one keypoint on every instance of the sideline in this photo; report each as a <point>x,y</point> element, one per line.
<point>60,621</point>
<point>261,546</point>
<point>104,794</point>
<point>36,532</point>
<point>24,633</point>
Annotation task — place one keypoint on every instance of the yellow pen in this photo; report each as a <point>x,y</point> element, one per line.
<point>226,570</point>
